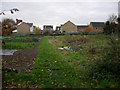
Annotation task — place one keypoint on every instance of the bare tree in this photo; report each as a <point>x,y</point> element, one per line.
<point>112,18</point>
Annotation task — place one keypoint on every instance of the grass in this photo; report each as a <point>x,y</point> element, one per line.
<point>17,45</point>
<point>90,48</point>
<point>19,42</point>
<point>21,39</point>
<point>62,69</point>
<point>58,72</point>
<point>51,70</point>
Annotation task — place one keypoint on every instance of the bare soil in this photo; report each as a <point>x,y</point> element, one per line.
<point>22,60</point>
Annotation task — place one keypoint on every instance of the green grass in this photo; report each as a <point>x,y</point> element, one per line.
<point>51,70</point>
<point>59,73</point>
<point>20,42</point>
<point>17,45</point>
<point>100,43</point>
<point>21,39</point>
<point>59,69</point>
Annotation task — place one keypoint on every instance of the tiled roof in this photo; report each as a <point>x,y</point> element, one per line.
<point>48,26</point>
<point>81,26</point>
<point>30,24</point>
<point>67,22</point>
<point>97,24</point>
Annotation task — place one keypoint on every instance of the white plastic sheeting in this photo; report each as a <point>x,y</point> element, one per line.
<point>7,51</point>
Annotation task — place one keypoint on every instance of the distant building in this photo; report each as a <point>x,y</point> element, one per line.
<point>69,27</point>
<point>97,26</point>
<point>48,29</point>
<point>58,28</point>
<point>25,28</point>
<point>81,28</point>
<point>34,28</point>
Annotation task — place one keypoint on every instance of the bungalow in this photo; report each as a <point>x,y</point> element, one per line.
<point>25,28</point>
<point>81,28</point>
<point>69,27</point>
<point>97,26</point>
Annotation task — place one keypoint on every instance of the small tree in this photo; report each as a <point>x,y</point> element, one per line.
<point>109,28</point>
<point>8,26</point>
<point>112,18</point>
<point>37,30</point>
<point>110,25</point>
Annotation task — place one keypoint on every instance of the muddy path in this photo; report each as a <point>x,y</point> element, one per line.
<point>22,60</point>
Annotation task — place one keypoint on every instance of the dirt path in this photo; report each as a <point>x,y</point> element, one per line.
<point>22,59</point>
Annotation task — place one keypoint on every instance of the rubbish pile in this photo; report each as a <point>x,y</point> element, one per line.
<point>67,48</point>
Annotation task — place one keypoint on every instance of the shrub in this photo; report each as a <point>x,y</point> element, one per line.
<point>110,63</point>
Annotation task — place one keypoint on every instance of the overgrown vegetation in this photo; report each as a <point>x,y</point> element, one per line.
<point>110,63</point>
<point>53,69</point>
<point>101,53</point>
<point>93,63</point>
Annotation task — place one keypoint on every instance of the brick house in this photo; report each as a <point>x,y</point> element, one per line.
<point>48,29</point>
<point>81,28</point>
<point>25,28</point>
<point>97,26</point>
<point>69,27</point>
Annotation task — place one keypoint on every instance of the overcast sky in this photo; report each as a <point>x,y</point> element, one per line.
<point>57,12</point>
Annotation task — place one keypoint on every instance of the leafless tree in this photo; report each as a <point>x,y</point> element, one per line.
<point>112,18</point>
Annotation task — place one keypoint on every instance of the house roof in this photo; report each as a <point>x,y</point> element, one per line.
<point>48,26</point>
<point>15,31</point>
<point>97,24</point>
<point>19,23</point>
<point>29,24</point>
<point>82,26</point>
<point>67,22</point>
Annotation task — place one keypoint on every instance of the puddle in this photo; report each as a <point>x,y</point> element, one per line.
<point>7,51</point>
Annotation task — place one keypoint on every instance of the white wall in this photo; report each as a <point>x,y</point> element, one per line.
<point>31,29</point>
